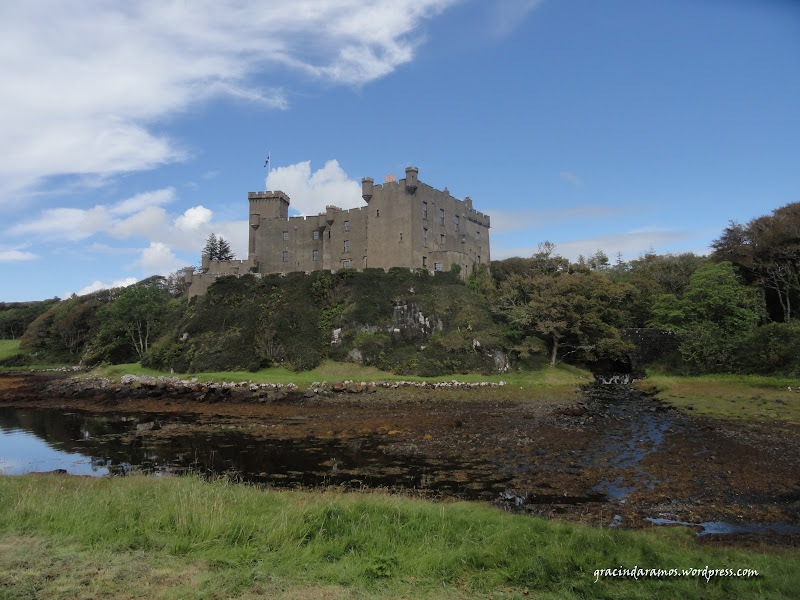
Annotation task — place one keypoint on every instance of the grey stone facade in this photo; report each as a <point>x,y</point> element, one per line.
<point>404,223</point>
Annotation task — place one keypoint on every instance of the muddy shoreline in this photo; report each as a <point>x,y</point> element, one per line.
<point>614,456</point>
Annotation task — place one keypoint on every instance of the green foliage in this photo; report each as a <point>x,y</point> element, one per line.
<point>16,316</point>
<point>767,250</point>
<point>573,311</point>
<point>772,349</point>
<point>714,315</point>
<point>218,248</point>
<point>136,317</point>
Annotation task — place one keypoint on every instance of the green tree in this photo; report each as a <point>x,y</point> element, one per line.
<point>768,250</point>
<point>224,251</point>
<point>211,249</point>
<point>136,314</point>
<point>714,315</point>
<point>218,248</point>
<point>573,311</point>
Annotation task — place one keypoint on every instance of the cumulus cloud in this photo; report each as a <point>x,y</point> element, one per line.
<point>310,193</point>
<point>194,218</point>
<point>630,244</point>
<point>99,285</point>
<point>137,217</point>
<point>159,259</point>
<point>83,100</point>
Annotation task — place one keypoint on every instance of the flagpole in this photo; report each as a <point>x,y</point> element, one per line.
<point>266,166</point>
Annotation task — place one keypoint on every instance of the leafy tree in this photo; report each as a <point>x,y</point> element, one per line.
<point>768,250</point>
<point>715,313</point>
<point>670,271</point>
<point>571,310</point>
<point>136,314</point>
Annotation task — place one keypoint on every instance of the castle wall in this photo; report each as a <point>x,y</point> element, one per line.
<point>404,223</point>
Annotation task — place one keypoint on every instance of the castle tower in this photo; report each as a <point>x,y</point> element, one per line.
<point>265,206</point>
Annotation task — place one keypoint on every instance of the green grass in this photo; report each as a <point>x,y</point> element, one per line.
<point>70,537</point>
<point>8,348</point>
<point>331,371</point>
<point>741,397</point>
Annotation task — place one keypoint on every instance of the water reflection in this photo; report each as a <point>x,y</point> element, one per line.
<point>44,440</point>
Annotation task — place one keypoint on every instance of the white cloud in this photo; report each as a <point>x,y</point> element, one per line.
<point>507,15</point>
<point>194,218</point>
<point>66,223</point>
<point>572,178</point>
<point>506,221</point>
<point>143,200</point>
<point>139,217</point>
<point>310,193</point>
<point>631,244</point>
<point>159,259</point>
<point>16,255</point>
<point>99,285</point>
<point>84,83</point>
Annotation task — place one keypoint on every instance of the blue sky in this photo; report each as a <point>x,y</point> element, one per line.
<point>129,132</point>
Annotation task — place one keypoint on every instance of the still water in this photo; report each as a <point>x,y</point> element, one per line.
<point>34,440</point>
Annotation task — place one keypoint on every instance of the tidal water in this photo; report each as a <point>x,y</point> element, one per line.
<point>40,440</point>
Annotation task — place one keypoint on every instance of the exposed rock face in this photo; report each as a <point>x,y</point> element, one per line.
<point>410,322</point>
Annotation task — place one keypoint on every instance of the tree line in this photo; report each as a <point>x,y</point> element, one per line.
<point>732,311</point>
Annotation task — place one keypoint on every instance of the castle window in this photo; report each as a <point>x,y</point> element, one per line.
<point>285,236</point>
<point>401,236</point>
<point>425,210</point>
<point>378,212</point>
<point>347,225</point>
<point>441,216</point>
<point>346,246</point>
<point>424,261</point>
<point>441,239</point>
<point>285,256</point>
<point>315,255</point>
<point>315,234</point>
<point>424,236</point>
<point>456,222</point>
<point>437,266</point>
<point>346,264</point>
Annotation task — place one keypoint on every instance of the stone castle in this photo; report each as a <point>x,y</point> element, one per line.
<point>405,223</point>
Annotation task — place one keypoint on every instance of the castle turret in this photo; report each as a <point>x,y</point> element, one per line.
<point>412,174</point>
<point>366,188</point>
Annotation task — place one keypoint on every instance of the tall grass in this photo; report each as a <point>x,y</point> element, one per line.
<point>8,348</point>
<point>364,545</point>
